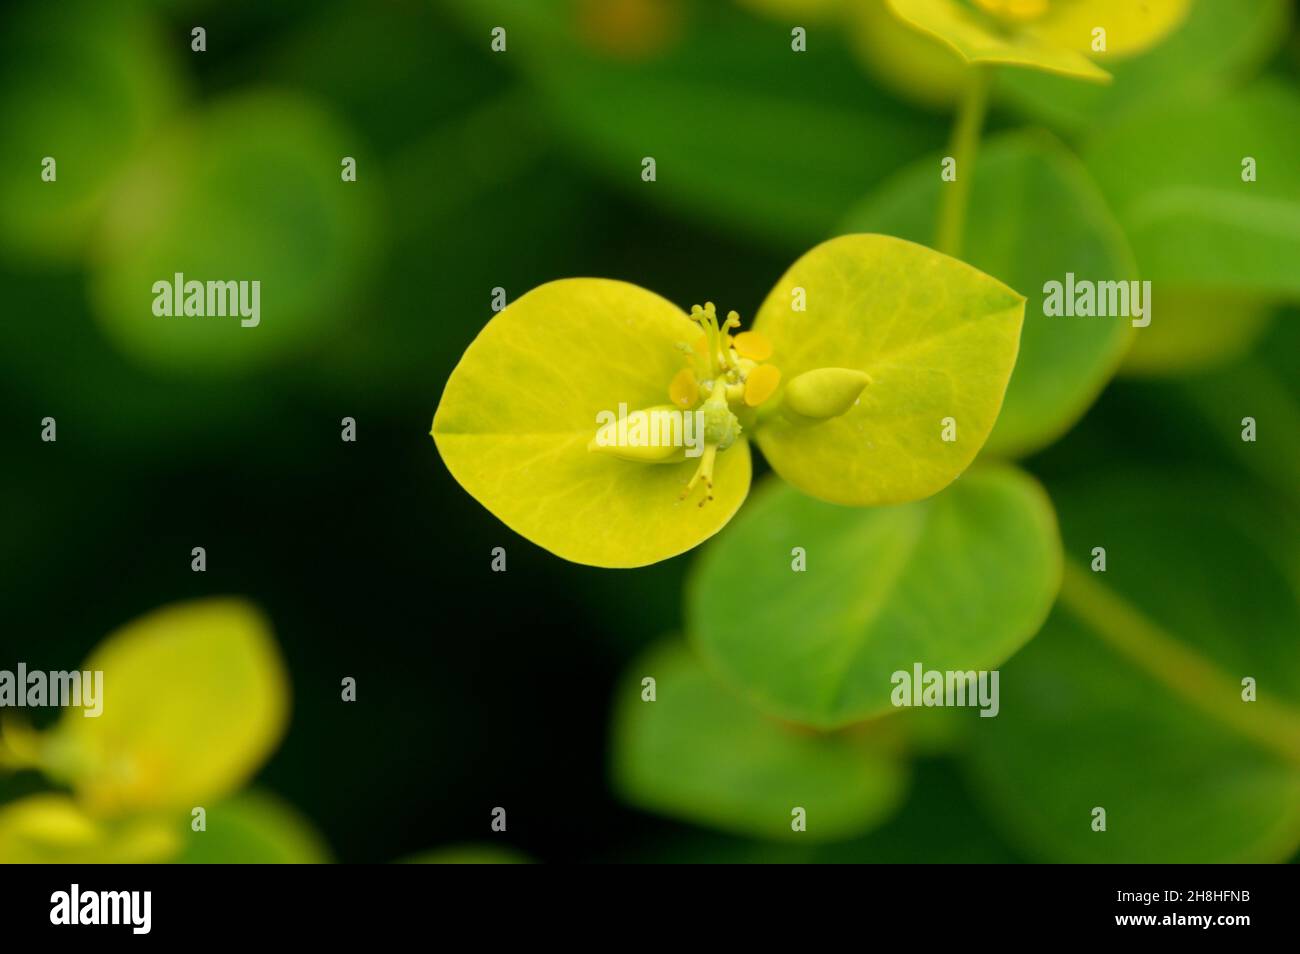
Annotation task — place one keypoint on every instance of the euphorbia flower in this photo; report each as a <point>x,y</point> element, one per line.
<point>856,359</point>
<point>1057,36</point>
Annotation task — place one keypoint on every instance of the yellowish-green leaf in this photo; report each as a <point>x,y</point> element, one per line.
<point>937,340</point>
<point>982,38</point>
<point>521,407</point>
<point>917,66</point>
<point>195,698</point>
<point>53,829</point>
<point>1131,25</point>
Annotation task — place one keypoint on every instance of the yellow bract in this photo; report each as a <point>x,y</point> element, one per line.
<point>752,345</point>
<point>1131,26</point>
<point>1015,9</point>
<point>522,405</point>
<point>53,829</point>
<point>1053,36</point>
<point>194,700</point>
<point>937,340</point>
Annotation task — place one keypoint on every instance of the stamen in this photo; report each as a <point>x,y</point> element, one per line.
<point>704,471</point>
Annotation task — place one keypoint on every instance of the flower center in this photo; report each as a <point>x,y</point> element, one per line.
<point>727,370</point>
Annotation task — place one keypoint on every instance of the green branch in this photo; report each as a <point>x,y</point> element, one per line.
<point>955,195</point>
<point>1186,672</point>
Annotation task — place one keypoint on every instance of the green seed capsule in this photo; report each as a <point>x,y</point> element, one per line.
<point>653,435</point>
<point>825,392</point>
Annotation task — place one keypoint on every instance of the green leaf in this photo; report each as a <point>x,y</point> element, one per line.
<point>981,38</point>
<point>744,133</point>
<point>1173,174</point>
<point>250,190</point>
<point>1035,215</point>
<point>471,854</point>
<point>254,827</point>
<point>936,337</point>
<point>956,582</point>
<point>1217,45</point>
<point>1198,331</point>
<point>518,413</point>
<point>701,754</point>
<point>1130,699</point>
<point>195,698</point>
<point>85,84</point>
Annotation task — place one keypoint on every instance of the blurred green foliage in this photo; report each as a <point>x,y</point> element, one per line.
<point>958,581</point>
<point>478,170</point>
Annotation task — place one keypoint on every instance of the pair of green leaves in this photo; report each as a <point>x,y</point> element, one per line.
<point>800,615</point>
<point>936,338</point>
<point>1131,700</point>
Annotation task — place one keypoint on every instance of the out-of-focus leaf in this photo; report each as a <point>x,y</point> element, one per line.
<point>1196,331</point>
<point>938,824</point>
<point>1082,727</point>
<point>937,340</point>
<point>53,829</point>
<point>249,191</point>
<point>195,698</point>
<point>915,65</point>
<point>983,39</point>
<point>471,854</point>
<point>956,582</point>
<point>1217,44</point>
<point>1035,215</point>
<point>744,131</point>
<point>1130,27</point>
<point>85,84</point>
<point>253,827</point>
<point>1173,174</point>
<point>700,753</point>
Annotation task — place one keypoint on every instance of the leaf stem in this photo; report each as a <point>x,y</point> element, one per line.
<point>1187,673</point>
<point>955,195</point>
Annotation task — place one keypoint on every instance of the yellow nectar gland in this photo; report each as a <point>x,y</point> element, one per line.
<point>728,369</point>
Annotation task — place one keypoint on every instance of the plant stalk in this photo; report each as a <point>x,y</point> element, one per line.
<point>955,195</point>
<point>1119,624</point>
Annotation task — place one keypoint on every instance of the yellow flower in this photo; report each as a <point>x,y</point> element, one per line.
<point>1057,36</point>
<point>859,352</point>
